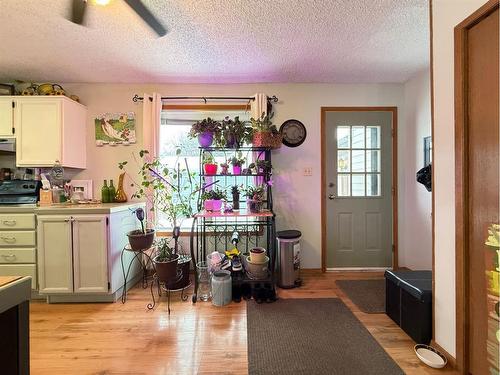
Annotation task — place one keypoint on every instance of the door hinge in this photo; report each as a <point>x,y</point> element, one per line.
<point>392,132</point>
<point>109,286</point>
<point>13,130</point>
<point>107,220</point>
<point>393,191</point>
<point>393,248</point>
<point>13,104</point>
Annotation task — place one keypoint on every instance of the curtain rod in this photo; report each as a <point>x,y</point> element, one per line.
<point>137,98</point>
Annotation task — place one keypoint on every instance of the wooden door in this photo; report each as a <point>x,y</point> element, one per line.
<point>38,127</point>
<point>55,254</point>
<point>359,189</point>
<point>477,142</point>
<point>90,254</point>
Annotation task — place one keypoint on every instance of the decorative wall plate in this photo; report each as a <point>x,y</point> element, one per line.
<point>294,133</point>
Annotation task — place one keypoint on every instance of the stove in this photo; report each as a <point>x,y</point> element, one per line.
<point>19,192</point>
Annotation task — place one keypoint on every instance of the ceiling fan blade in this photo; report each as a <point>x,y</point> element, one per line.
<point>147,16</point>
<point>78,11</point>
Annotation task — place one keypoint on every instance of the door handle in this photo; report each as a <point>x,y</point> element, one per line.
<point>9,223</point>
<point>9,257</point>
<point>331,197</point>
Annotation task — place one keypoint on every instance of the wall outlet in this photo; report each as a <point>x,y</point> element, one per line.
<point>308,171</point>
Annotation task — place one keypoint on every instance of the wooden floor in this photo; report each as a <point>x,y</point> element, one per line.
<point>195,339</point>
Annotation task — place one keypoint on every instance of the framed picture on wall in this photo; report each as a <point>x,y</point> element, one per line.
<point>427,151</point>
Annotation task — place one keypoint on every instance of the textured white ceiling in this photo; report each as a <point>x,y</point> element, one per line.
<point>226,41</point>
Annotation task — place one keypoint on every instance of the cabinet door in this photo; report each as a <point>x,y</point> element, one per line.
<point>6,117</point>
<point>90,254</point>
<point>55,258</point>
<point>38,124</point>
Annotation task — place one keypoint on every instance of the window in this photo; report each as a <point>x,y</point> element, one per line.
<point>174,128</point>
<point>358,161</point>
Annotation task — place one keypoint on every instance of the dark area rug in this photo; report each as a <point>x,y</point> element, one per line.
<point>312,336</point>
<point>368,295</point>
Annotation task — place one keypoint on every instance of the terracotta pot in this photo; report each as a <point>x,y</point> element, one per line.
<point>210,169</point>
<point>267,139</point>
<point>257,255</point>
<point>167,271</point>
<point>254,206</point>
<point>140,241</point>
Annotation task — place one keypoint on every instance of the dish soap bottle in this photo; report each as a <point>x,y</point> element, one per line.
<point>105,192</point>
<point>112,192</point>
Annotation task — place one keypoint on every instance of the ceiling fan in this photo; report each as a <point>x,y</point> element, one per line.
<point>80,6</point>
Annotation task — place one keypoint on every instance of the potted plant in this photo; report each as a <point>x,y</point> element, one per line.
<point>212,199</point>
<point>265,133</point>
<point>169,191</point>
<point>141,239</point>
<point>262,169</point>
<point>235,192</point>
<point>209,164</point>
<point>166,262</point>
<point>235,132</point>
<point>205,130</point>
<point>255,197</point>
<point>237,161</point>
<point>224,168</point>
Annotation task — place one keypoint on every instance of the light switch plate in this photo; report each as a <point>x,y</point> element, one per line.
<point>308,171</point>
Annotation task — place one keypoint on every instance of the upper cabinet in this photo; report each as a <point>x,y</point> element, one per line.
<point>46,128</point>
<point>6,117</point>
<point>49,129</point>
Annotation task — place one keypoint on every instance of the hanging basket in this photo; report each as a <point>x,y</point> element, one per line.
<point>267,139</point>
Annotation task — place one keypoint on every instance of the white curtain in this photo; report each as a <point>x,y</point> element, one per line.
<point>151,114</point>
<point>259,106</point>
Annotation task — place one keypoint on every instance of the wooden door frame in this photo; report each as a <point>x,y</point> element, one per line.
<point>394,111</point>
<point>461,182</point>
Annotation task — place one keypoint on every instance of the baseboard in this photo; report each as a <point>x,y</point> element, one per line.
<point>358,269</point>
<point>452,362</point>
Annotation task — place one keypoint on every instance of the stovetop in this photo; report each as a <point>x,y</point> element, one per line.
<point>19,192</point>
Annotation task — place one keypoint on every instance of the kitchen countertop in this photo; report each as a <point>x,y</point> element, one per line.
<point>63,208</point>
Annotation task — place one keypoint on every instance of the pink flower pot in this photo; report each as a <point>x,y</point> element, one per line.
<point>237,169</point>
<point>217,205</point>
<point>210,169</point>
<point>208,205</point>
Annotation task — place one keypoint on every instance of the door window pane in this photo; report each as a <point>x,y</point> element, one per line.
<point>343,136</point>
<point>343,161</point>
<point>358,160</point>
<point>343,185</point>
<point>358,137</point>
<point>373,137</point>
<point>358,185</point>
<point>373,185</point>
<point>373,161</point>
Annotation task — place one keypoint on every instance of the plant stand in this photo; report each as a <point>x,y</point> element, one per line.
<point>144,260</point>
<point>212,231</point>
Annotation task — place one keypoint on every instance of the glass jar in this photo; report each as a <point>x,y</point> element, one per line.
<point>203,281</point>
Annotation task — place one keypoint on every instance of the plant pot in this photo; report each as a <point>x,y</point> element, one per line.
<point>236,169</point>
<point>230,140</point>
<point>183,265</point>
<point>254,206</point>
<point>267,139</point>
<point>236,201</point>
<point>140,241</point>
<point>167,271</point>
<point>208,205</point>
<point>210,169</point>
<point>258,255</point>
<point>217,205</point>
<point>224,170</point>
<point>206,139</point>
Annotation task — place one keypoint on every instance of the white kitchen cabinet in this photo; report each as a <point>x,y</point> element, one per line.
<point>6,117</point>
<point>50,128</point>
<point>55,263</point>
<point>90,254</point>
<point>72,254</point>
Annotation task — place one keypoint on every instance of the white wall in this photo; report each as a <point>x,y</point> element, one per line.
<point>415,250</point>
<point>297,198</point>
<point>446,15</point>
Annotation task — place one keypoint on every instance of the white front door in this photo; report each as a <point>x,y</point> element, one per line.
<point>359,189</point>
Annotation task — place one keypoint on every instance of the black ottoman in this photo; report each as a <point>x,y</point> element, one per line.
<point>408,301</point>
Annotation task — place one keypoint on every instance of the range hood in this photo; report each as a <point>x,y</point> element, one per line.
<point>7,145</point>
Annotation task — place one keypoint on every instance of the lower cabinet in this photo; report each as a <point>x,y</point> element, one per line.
<point>72,254</point>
